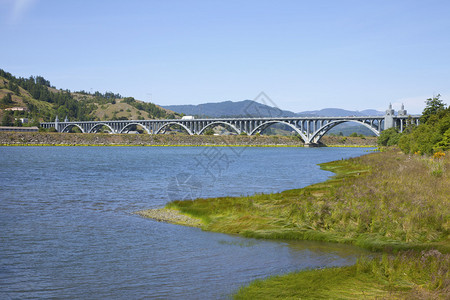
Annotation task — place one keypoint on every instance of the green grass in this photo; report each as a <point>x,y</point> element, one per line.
<point>408,275</point>
<point>385,201</point>
<point>382,201</point>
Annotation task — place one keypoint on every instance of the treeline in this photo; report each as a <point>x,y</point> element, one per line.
<point>97,97</point>
<point>153,110</point>
<point>431,136</point>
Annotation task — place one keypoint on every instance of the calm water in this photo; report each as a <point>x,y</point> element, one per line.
<point>67,228</point>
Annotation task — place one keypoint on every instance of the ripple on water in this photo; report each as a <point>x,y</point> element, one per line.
<point>68,230</point>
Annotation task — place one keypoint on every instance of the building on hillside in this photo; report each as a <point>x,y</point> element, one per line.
<point>17,109</point>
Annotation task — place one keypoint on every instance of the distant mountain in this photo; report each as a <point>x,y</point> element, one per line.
<point>249,108</point>
<point>337,112</point>
<point>246,108</point>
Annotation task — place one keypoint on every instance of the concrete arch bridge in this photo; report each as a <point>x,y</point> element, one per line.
<point>310,129</point>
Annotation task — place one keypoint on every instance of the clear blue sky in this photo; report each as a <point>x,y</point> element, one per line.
<point>305,55</point>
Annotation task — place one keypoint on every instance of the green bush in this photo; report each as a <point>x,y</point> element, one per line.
<point>432,135</point>
<point>389,137</point>
<point>209,131</point>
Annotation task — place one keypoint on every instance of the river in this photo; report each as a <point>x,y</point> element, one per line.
<point>68,230</point>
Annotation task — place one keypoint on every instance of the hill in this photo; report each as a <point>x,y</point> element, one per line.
<point>35,99</point>
<point>250,108</point>
<point>245,108</point>
<point>338,112</point>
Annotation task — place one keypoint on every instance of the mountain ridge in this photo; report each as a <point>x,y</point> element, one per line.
<point>250,108</point>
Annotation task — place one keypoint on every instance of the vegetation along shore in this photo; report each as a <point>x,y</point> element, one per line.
<point>395,201</point>
<point>104,139</point>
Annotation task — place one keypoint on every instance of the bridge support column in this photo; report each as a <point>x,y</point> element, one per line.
<point>311,145</point>
<point>389,118</point>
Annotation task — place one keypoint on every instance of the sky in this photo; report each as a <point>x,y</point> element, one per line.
<point>305,55</point>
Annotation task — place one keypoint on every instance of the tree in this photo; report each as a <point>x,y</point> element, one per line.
<point>17,122</point>
<point>433,134</point>
<point>389,137</point>
<point>7,99</point>
<point>444,144</point>
<point>7,119</point>
<point>209,131</point>
<point>434,106</point>
<point>13,87</point>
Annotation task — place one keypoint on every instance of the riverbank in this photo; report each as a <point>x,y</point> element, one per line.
<point>170,216</point>
<point>383,201</point>
<point>101,139</point>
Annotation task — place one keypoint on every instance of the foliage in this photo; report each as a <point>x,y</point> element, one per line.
<point>358,206</point>
<point>433,107</point>
<point>389,137</point>
<point>76,106</point>
<point>13,87</point>
<point>152,109</point>
<point>62,101</point>
<point>7,119</point>
<point>209,131</point>
<point>433,134</point>
<point>427,138</point>
<point>6,100</point>
<point>407,275</point>
<point>129,100</point>
<point>374,201</point>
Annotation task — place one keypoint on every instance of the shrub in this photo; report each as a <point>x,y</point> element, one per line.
<point>389,137</point>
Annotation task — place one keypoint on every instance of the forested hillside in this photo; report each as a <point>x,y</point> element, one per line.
<point>43,102</point>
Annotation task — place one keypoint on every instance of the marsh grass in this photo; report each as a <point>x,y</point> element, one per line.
<point>382,201</point>
<point>385,201</point>
<point>436,164</point>
<point>407,275</point>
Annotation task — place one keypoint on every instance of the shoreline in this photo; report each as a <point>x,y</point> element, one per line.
<point>181,145</point>
<point>414,263</point>
<point>171,216</point>
<point>23,139</point>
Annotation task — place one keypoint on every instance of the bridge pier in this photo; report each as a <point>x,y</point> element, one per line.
<point>312,145</point>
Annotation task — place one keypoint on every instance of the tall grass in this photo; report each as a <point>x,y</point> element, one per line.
<point>381,201</point>
<point>408,275</point>
<point>384,201</point>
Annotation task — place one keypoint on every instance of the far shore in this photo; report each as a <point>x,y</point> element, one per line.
<point>101,139</point>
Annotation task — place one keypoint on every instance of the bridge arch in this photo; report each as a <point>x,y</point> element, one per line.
<point>219,123</point>
<point>68,127</point>
<point>270,123</point>
<point>174,123</point>
<point>141,125</point>
<point>98,125</point>
<point>319,133</point>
